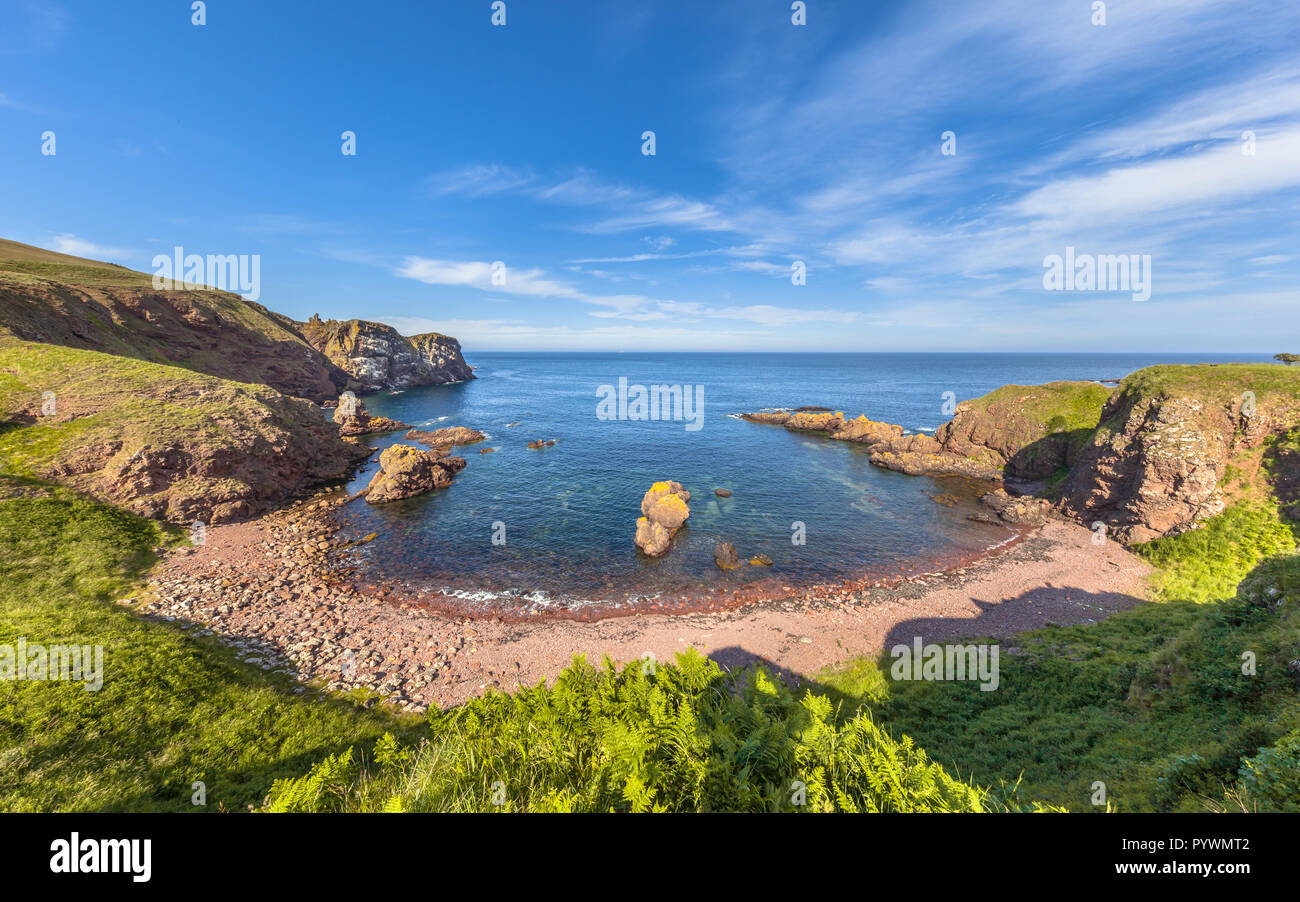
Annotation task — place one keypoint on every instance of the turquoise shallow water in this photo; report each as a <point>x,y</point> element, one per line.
<point>569,511</point>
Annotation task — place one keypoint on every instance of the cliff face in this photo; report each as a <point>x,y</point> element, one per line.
<point>1157,462</point>
<point>63,300</point>
<point>158,440</point>
<point>376,356</point>
<point>181,404</point>
<point>443,353</point>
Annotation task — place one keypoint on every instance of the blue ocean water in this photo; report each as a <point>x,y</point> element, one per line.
<point>567,513</point>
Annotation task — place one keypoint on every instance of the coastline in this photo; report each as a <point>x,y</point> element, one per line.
<point>281,592</point>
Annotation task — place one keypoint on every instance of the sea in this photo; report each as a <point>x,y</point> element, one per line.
<point>550,530</point>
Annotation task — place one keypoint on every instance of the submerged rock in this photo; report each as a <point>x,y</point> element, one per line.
<point>722,493</point>
<point>761,560</point>
<point>406,471</point>
<point>664,509</point>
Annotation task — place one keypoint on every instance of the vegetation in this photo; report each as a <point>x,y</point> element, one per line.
<point>1153,701</point>
<point>1056,406</point>
<point>1186,704</point>
<point>175,707</point>
<point>1037,430</point>
<point>159,440</point>
<point>683,737</point>
<point>62,300</point>
<point>102,398</point>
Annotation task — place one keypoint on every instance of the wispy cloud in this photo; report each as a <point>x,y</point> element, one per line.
<point>80,247</point>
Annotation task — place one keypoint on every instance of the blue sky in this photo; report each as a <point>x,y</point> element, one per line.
<point>775,143</point>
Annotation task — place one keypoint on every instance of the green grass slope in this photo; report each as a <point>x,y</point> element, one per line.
<point>175,707</point>
<point>1152,702</point>
<point>1031,431</point>
<point>59,299</point>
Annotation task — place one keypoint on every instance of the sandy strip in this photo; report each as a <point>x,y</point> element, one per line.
<point>242,587</point>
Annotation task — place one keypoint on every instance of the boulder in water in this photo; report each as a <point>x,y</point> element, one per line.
<point>724,555</point>
<point>405,471</point>
<point>665,508</point>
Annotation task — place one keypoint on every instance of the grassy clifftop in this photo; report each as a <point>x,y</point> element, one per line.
<point>60,299</point>
<point>159,440</point>
<point>1176,444</point>
<point>1032,431</point>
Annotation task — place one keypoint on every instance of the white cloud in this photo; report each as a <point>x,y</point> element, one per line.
<point>1217,175</point>
<point>80,247</point>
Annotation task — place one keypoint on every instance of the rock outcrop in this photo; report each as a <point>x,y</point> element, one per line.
<point>665,507</point>
<point>447,437</point>
<point>376,356</point>
<point>406,471</point>
<point>162,441</point>
<point>1156,465</point>
<point>724,555</point>
<point>444,355</point>
<point>353,419</point>
<point>1018,510</point>
<point>1017,431</point>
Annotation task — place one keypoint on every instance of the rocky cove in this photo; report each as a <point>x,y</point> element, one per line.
<point>297,591</point>
<point>795,514</point>
<point>291,596</point>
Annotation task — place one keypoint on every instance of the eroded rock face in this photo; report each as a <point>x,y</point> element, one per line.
<point>168,443</point>
<point>443,354</point>
<point>652,538</point>
<point>377,356</point>
<point>445,438</point>
<point>1157,475</point>
<point>206,331</point>
<point>406,471</point>
<point>665,508</point>
<point>867,431</point>
<point>1157,463</point>
<point>922,455</point>
<point>354,419</point>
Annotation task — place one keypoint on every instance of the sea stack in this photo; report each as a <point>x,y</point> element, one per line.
<point>665,508</point>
